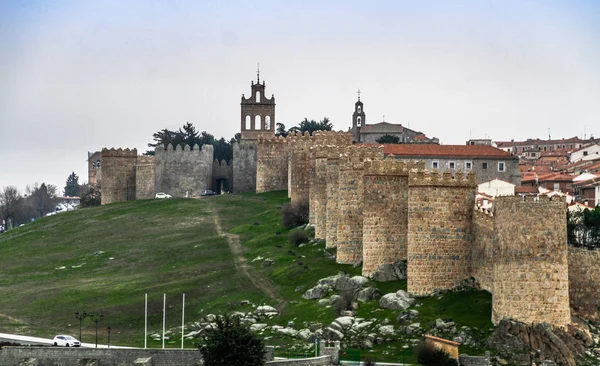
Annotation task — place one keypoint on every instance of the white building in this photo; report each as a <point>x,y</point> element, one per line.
<point>496,187</point>
<point>587,153</point>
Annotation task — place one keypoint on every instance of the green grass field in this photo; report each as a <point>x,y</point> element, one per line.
<point>104,259</point>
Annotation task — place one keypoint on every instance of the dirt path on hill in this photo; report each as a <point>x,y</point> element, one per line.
<point>241,264</point>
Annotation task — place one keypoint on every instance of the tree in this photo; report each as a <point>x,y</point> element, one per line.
<point>230,342</point>
<point>388,139</point>
<point>41,200</point>
<point>583,227</point>
<point>91,195</point>
<point>72,188</point>
<point>281,131</point>
<point>9,205</point>
<point>312,126</point>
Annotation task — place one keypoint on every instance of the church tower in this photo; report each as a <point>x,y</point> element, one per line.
<point>358,119</point>
<point>258,112</point>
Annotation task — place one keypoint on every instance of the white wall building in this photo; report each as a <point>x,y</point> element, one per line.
<point>496,187</point>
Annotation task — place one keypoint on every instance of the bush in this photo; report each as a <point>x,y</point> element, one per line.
<point>230,342</point>
<point>294,214</point>
<point>429,355</point>
<point>298,237</point>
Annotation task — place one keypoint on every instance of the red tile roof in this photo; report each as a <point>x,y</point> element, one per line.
<point>555,177</point>
<point>458,151</point>
<point>526,189</point>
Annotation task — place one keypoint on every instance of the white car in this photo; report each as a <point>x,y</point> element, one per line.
<point>65,341</point>
<point>162,195</point>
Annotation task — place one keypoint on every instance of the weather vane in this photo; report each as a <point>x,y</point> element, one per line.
<point>358,92</point>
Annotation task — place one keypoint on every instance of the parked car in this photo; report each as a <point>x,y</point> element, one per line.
<point>65,341</point>
<point>207,192</point>
<point>162,195</point>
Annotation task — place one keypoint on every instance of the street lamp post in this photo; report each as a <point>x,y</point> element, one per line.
<point>97,320</point>
<point>108,329</point>
<point>80,317</point>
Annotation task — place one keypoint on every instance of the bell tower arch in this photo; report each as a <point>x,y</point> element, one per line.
<point>258,112</point>
<point>359,119</point>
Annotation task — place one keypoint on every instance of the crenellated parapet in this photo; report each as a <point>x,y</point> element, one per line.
<point>169,149</point>
<point>184,171</point>
<point>391,166</point>
<point>119,153</point>
<point>423,178</point>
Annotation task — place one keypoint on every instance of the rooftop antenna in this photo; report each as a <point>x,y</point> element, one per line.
<point>258,73</point>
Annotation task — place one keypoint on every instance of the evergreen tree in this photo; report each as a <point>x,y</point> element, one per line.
<point>72,188</point>
<point>388,139</point>
<point>230,342</point>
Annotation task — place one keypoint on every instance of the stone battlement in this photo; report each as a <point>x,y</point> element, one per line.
<point>222,163</point>
<point>391,166</point>
<point>145,160</point>
<point>119,153</point>
<point>424,178</point>
<point>206,148</point>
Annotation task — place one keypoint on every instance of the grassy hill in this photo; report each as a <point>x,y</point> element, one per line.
<point>104,259</point>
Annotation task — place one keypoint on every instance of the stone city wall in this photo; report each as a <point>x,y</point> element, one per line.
<point>184,172</point>
<point>584,279</point>
<point>482,249</point>
<point>144,177</point>
<point>245,166</point>
<point>118,181</point>
<point>331,207</point>
<point>385,213</point>
<point>299,168</point>
<point>350,204</point>
<point>318,186</point>
<point>440,210</point>
<point>531,275</point>
<point>271,164</point>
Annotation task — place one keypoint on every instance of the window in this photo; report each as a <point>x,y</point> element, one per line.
<point>557,186</point>
<point>268,123</point>
<point>451,165</point>
<point>257,97</point>
<point>484,165</point>
<point>468,165</point>
<point>248,124</point>
<point>258,123</point>
<point>501,166</point>
<point>358,121</point>
<point>585,153</point>
<point>98,164</point>
<point>435,164</point>
<point>359,109</point>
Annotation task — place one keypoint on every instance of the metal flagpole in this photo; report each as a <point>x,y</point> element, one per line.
<point>164,316</point>
<point>182,319</point>
<point>146,323</point>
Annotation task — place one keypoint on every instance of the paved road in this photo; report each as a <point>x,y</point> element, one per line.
<point>26,340</point>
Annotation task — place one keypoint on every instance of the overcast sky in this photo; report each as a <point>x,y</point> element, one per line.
<point>76,76</point>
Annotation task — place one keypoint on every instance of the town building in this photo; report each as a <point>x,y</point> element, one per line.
<point>370,133</point>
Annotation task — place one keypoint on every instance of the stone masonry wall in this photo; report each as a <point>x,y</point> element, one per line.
<point>272,164</point>
<point>144,177</point>
<point>584,277</point>
<point>440,209</point>
<point>385,213</point>
<point>183,172</point>
<point>318,188</point>
<point>531,282</point>
<point>299,167</point>
<point>331,207</point>
<point>482,250</point>
<point>118,170</point>
<point>350,202</point>
<point>245,166</point>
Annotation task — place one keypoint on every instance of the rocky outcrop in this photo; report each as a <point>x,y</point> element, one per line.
<point>390,272</point>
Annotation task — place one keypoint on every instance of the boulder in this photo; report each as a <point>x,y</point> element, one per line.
<point>399,300</point>
<point>386,329</point>
<point>257,327</point>
<point>265,310</point>
<point>390,272</point>
<point>344,321</point>
<point>368,294</point>
<point>333,334</point>
<point>317,292</point>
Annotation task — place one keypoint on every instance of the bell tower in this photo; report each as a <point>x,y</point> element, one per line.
<point>258,112</point>
<point>358,119</point>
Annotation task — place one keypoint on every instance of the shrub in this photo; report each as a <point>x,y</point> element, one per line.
<point>294,214</point>
<point>369,362</point>
<point>429,355</point>
<point>297,237</point>
<point>230,342</point>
